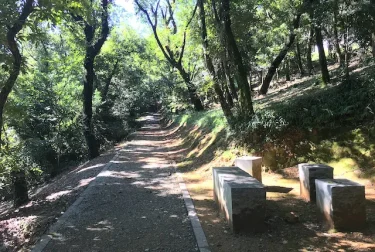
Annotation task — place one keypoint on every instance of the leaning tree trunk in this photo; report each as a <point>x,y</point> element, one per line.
<point>193,95</point>
<point>222,77</point>
<point>208,61</point>
<point>13,48</point>
<point>170,54</point>
<point>277,61</point>
<point>237,60</point>
<point>230,81</point>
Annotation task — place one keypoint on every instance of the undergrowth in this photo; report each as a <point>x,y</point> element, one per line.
<point>334,125</point>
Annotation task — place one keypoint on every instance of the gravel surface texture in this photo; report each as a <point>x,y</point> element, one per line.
<point>134,205</point>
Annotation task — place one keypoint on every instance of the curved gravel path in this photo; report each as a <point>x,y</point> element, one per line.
<point>134,204</point>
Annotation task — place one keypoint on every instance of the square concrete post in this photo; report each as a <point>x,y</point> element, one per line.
<point>251,165</point>
<point>241,198</point>
<point>342,203</point>
<point>307,175</point>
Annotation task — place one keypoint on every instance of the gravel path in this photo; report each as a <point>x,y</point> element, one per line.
<point>134,204</point>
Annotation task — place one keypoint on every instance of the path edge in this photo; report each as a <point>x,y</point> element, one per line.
<point>46,237</point>
<point>199,234</point>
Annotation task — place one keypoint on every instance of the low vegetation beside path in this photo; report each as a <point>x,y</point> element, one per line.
<point>334,126</point>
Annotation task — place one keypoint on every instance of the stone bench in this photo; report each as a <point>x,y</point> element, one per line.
<point>241,198</point>
<point>342,203</point>
<point>251,165</point>
<point>307,175</point>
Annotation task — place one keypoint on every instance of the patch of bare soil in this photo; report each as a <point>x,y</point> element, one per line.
<point>292,224</point>
<point>22,227</point>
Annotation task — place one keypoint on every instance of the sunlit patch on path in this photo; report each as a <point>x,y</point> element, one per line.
<point>134,204</point>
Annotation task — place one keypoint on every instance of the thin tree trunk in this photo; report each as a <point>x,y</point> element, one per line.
<point>277,74</point>
<point>309,52</point>
<point>208,61</point>
<point>237,60</point>
<point>230,82</point>
<point>322,55</point>
<point>287,70</point>
<point>277,61</point>
<point>319,42</point>
<point>299,60</point>
<point>331,51</point>
<point>346,54</point>
<point>170,55</point>
<point>373,44</point>
<point>108,82</point>
<point>339,55</point>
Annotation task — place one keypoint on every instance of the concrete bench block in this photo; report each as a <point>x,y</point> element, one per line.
<point>241,198</point>
<point>342,203</point>
<point>307,175</point>
<point>251,165</point>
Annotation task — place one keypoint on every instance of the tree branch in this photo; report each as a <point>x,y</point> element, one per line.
<point>184,40</point>
<point>105,28</point>
<point>154,26</point>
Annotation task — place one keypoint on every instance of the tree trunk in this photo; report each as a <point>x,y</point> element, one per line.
<point>108,82</point>
<point>287,70</point>
<point>309,52</point>
<point>208,61</point>
<point>222,76</point>
<point>88,90</point>
<point>299,60</point>
<point>170,55</point>
<point>346,54</point>
<point>230,81</point>
<point>339,55</point>
<point>228,95</point>
<point>237,60</point>
<point>373,44</point>
<point>277,61</point>
<point>16,66</point>
<point>277,74</point>
<point>20,191</point>
<point>322,55</point>
<point>92,50</point>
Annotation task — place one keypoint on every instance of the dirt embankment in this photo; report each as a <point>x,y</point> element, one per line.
<point>198,149</point>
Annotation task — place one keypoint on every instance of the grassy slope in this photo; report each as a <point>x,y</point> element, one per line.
<point>320,130</point>
<point>346,142</point>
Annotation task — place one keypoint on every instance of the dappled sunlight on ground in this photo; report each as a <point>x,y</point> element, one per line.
<point>197,153</point>
<point>21,227</point>
<point>91,167</point>
<point>57,195</point>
